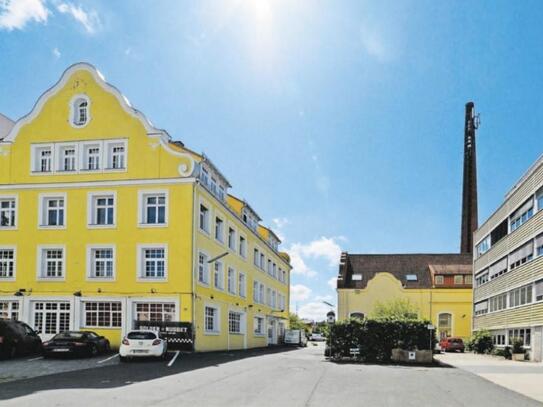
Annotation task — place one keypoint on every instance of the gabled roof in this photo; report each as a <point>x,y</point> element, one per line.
<point>399,265</point>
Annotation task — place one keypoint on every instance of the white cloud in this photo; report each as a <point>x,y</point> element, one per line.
<point>15,14</point>
<point>325,247</point>
<point>299,292</point>
<point>56,53</point>
<point>298,264</point>
<point>315,311</point>
<point>89,19</point>
<point>332,283</point>
<point>280,222</point>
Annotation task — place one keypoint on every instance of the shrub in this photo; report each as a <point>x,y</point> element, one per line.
<point>504,352</point>
<point>518,346</point>
<point>481,342</point>
<point>375,339</point>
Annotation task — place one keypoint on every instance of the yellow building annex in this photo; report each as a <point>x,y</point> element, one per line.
<point>107,224</point>
<point>439,286</point>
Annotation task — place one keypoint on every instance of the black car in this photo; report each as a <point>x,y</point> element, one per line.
<point>17,338</point>
<point>76,343</point>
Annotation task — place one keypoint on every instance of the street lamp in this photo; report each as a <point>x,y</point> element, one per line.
<point>331,319</point>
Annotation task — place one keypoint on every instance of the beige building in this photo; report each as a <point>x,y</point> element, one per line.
<point>508,267</point>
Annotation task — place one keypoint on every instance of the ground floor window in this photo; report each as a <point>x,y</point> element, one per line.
<point>157,312</point>
<point>445,325</point>
<point>234,322</point>
<point>524,334</point>
<point>259,326</point>
<point>211,321</point>
<point>498,340</point>
<point>9,310</point>
<point>102,314</point>
<point>51,317</point>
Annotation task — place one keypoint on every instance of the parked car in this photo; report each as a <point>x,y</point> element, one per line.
<point>17,338</point>
<point>76,343</point>
<point>142,343</point>
<point>295,337</point>
<point>452,345</point>
<point>317,337</point>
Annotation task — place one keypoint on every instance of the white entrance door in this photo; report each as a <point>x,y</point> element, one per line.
<point>51,317</point>
<point>272,333</point>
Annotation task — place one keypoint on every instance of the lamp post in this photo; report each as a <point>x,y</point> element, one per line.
<point>330,319</point>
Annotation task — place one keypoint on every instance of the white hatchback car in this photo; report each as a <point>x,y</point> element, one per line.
<point>142,343</point>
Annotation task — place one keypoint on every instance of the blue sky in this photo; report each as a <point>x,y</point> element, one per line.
<point>341,122</point>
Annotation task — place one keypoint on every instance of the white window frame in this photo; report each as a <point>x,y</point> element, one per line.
<point>109,146</point>
<point>234,239</point>
<point>141,266</point>
<point>43,210</point>
<point>91,209</point>
<point>216,322</point>
<point>41,270</point>
<point>223,223</point>
<point>242,292</point>
<point>35,162</point>
<point>14,250</point>
<point>90,262</point>
<point>14,198</point>
<point>261,333</point>
<point>9,311</point>
<point>142,207</point>
<point>84,161</point>
<point>241,322</point>
<point>231,283</point>
<point>60,149</point>
<point>75,124</point>
<point>207,224</point>
<point>98,312</point>
<point>205,272</point>
<point>218,270</point>
<point>242,248</point>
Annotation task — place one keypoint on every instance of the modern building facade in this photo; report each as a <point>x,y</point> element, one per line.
<point>437,285</point>
<point>508,267</point>
<point>107,224</point>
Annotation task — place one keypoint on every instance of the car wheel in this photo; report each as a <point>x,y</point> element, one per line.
<point>93,351</point>
<point>11,352</point>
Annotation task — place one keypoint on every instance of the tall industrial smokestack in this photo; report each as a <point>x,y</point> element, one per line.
<point>469,190</point>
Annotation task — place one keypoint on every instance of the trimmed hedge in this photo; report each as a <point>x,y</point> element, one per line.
<point>375,339</point>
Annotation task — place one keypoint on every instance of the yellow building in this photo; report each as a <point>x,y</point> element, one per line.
<point>107,224</point>
<point>438,285</point>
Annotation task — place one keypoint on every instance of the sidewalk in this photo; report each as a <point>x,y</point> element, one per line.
<point>522,377</point>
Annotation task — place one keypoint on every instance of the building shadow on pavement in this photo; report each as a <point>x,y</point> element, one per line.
<point>124,374</point>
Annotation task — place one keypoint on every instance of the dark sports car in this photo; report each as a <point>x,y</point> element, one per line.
<point>76,343</point>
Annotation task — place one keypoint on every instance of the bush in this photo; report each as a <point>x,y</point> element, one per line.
<point>375,339</point>
<point>518,346</point>
<point>480,342</point>
<point>504,352</point>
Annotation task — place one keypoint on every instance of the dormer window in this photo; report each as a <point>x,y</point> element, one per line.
<point>411,277</point>
<point>80,111</point>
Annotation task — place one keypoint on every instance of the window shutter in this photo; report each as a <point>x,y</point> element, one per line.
<point>527,205</point>
<point>497,267</point>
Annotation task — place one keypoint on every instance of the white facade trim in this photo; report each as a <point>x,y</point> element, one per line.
<point>89,263</point>
<point>42,216</point>
<point>140,266</point>
<point>14,248</point>
<point>91,196</point>
<point>40,261</point>
<point>142,193</point>
<point>90,184</point>
<point>16,198</point>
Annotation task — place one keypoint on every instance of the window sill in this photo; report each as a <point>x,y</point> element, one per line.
<point>101,279</point>
<point>2,228</point>
<point>152,280</point>
<point>236,333</point>
<point>212,333</point>
<point>52,279</point>
<point>152,225</point>
<point>51,227</point>
<point>93,226</point>
<point>9,279</point>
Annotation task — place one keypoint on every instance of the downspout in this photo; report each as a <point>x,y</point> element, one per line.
<point>193,296</point>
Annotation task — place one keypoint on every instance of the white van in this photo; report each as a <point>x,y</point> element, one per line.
<point>295,337</point>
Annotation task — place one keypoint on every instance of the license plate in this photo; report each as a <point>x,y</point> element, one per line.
<point>61,350</point>
<point>140,351</point>
<point>140,343</point>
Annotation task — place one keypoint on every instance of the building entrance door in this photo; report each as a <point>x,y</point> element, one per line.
<point>272,332</point>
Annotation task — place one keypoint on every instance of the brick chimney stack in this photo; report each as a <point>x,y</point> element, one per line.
<point>469,189</point>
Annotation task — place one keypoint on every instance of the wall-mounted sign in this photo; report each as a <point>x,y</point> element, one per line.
<point>177,334</point>
<point>412,355</point>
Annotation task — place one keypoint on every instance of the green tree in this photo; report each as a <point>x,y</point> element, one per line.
<point>397,309</point>
<point>296,323</point>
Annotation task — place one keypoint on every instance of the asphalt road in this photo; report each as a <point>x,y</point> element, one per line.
<point>279,377</point>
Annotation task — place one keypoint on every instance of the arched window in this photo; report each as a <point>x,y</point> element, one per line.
<point>444,325</point>
<point>80,111</point>
<point>357,315</point>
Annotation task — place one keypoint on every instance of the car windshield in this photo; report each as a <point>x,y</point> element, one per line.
<point>455,340</point>
<point>141,335</point>
<point>69,335</point>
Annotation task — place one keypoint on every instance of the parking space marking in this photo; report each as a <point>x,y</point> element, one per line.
<point>111,357</point>
<point>173,359</point>
<point>38,358</point>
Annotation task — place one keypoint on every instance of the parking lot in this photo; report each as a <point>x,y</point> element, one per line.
<point>36,365</point>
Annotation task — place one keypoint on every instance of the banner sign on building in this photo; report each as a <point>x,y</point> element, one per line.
<point>177,334</point>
